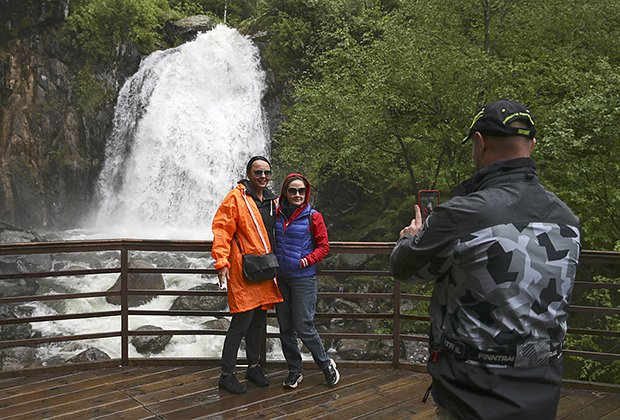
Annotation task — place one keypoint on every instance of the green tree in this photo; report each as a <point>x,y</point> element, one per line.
<point>383,95</point>
<point>581,155</point>
<point>100,27</point>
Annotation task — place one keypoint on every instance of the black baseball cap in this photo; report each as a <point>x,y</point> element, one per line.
<point>495,117</point>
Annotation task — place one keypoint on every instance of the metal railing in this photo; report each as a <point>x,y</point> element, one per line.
<point>395,294</point>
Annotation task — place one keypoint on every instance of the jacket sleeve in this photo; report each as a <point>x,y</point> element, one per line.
<point>428,255</point>
<point>319,230</point>
<point>224,227</point>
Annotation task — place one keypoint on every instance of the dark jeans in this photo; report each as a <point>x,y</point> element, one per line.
<point>251,325</point>
<point>296,319</point>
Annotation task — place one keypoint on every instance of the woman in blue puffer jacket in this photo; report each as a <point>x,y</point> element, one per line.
<point>301,242</point>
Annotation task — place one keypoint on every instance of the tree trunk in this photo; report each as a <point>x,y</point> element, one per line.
<point>409,165</point>
<point>487,26</point>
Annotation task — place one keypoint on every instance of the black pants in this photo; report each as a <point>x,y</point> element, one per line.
<point>251,325</point>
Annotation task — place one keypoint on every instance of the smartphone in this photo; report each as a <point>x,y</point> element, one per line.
<point>428,200</point>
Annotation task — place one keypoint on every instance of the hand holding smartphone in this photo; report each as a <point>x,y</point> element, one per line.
<point>428,200</point>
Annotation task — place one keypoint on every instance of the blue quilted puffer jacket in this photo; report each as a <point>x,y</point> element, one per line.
<point>294,240</point>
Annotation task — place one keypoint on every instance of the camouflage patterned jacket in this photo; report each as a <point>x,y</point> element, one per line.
<point>503,257</point>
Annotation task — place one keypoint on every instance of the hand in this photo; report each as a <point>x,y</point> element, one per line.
<point>304,263</point>
<point>415,226</point>
<point>223,275</point>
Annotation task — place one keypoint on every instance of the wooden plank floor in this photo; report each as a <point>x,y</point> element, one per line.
<point>191,393</point>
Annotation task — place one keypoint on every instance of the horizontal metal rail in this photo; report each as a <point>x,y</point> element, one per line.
<point>47,318</point>
<point>60,273</point>
<point>57,339</point>
<point>60,296</point>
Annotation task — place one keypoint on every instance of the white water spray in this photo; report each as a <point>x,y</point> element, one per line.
<point>184,127</point>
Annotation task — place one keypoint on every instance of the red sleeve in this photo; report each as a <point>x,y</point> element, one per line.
<point>320,238</point>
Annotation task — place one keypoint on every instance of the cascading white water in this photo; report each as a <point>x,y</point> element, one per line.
<point>184,127</point>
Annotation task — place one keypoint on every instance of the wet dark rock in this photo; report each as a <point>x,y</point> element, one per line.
<point>202,303</point>
<point>151,281</point>
<point>343,324</point>
<point>354,284</point>
<point>16,358</point>
<point>162,259</point>
<point>150,344</point>
<point>54,361</point>
<point>17,264</point>
<point>357,349</point>
<point>17,331</point>
<point>91,354</point>
<point>273,322</point>
<point>20,287</point>
<point>186,29</point>
<point>16,236</point>
<point>415,351</point>
<point>220,324</point>
<point>345,261</point>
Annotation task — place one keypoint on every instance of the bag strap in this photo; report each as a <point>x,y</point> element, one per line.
<point>255,222</point>
<point>238,244</point>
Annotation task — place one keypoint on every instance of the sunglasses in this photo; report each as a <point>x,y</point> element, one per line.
<point>267,173</point>
<point>293,191</point>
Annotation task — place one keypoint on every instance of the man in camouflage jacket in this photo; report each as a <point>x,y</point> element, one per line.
<point>503,255</point>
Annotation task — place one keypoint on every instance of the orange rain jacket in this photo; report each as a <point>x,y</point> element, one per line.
<point>233,217</point>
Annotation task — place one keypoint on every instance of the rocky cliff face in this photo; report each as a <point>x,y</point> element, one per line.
<point>51,148</point>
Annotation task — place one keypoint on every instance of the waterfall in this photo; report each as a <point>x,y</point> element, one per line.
<point>185,125</point>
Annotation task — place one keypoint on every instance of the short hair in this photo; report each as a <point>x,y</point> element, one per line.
<point>508,143</point>
<point>248,167</point>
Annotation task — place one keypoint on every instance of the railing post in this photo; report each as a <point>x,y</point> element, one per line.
<point>396,327</point>
<point>124,306</point>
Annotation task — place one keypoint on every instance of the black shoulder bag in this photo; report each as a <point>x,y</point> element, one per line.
<point>257,267</point>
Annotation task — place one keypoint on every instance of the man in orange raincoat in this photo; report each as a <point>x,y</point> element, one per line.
<point>247,213</point>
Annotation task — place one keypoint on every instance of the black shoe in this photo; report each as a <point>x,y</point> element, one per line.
<point>292,380</point>
<point>255,374</point>
<point>231,384</point>
<point>332,376</point>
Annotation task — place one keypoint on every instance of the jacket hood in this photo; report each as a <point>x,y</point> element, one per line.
<point>284,200</point>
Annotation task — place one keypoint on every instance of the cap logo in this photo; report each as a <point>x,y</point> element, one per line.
<point>477,117</point>
<point>518,114</point>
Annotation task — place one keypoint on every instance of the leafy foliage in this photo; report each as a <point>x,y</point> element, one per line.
<point>590,369</point>
<point>582,142</point>
<point>100,27</point>
<point>382,96</point>
<point>92,92</point>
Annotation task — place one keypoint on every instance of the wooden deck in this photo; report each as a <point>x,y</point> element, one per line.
<point>191,392</point>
